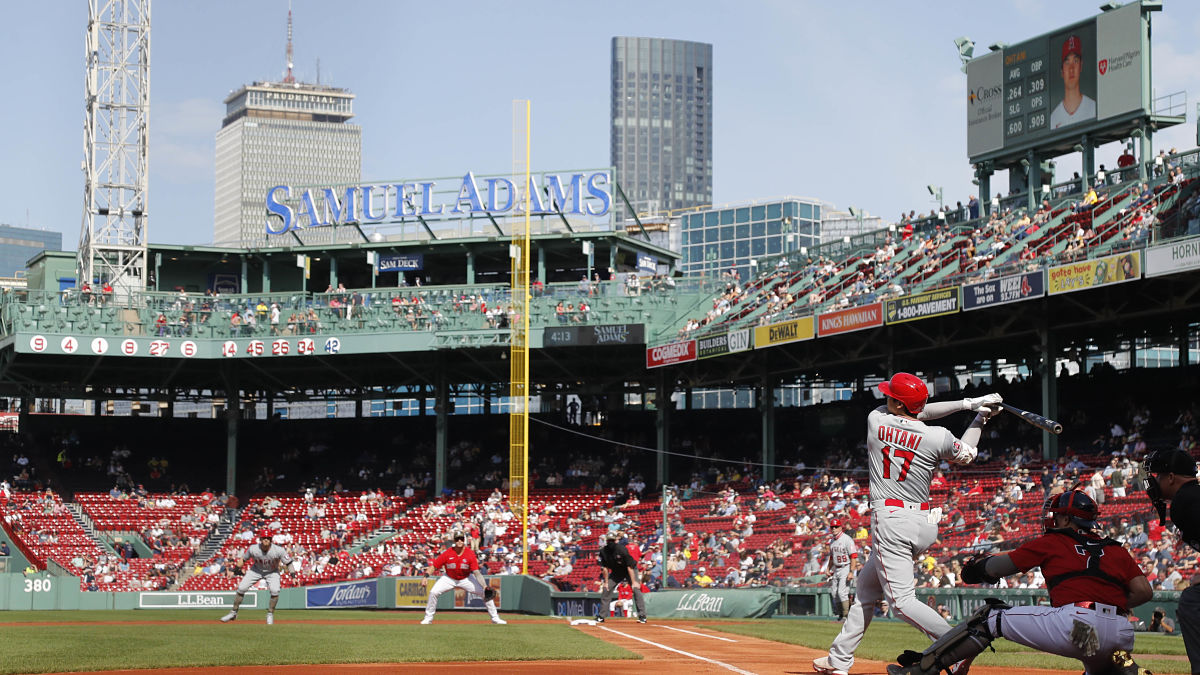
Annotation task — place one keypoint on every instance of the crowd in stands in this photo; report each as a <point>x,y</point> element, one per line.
<point>956,245</point>
<point>725,526</point>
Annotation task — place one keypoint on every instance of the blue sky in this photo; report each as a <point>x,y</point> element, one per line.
<point>854,106</point>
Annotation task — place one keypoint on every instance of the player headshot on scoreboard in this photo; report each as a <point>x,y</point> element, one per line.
<point>1074,105</point>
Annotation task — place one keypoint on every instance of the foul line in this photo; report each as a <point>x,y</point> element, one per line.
<point>692,632</point>
<point>680,651</point>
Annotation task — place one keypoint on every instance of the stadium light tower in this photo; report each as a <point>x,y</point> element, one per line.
<point>112,240</point>
<point>856,213</point>
<point>966,50</point>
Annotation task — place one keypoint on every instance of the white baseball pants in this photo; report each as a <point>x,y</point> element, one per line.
<point>469,585</point>
<point>898,534</point>
<point>1048,629</point>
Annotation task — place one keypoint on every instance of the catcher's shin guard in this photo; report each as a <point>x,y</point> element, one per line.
<point>964,641</point>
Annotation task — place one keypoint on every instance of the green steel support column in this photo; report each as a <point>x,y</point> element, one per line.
<point>333,272</point>
<point>1182,339</point>
<point>441,408</point>
<point>612,262</point>
<point>245,274</point>
<point>1088,166</point>
<point>1049,389</point>
<point>1145,152</point>
<point>1033,185</point>
<point>157,270</point>
<point>470,267</point>
<point>233,415</point>
<point>541,270</point>
<point>662,402</point>
<point>358,406</point>
<point>687,397</point>
<point>266,276</point>
<point>168,411</point>
<point>270,404</point>
<point>766,405</point>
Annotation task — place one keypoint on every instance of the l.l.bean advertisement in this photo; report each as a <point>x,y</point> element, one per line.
<point>1113,269</point>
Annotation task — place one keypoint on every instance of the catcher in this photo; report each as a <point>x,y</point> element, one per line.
<point>462,571</point>
<point>1093,582</point>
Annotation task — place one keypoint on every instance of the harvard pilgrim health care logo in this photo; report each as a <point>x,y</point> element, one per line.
<point>1103,66</point>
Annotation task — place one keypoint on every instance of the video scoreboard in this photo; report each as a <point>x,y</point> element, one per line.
<point>1058,85</point>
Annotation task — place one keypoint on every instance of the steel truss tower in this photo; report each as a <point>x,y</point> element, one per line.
<point>116,127</point>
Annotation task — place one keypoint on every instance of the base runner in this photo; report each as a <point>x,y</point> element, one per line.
<point>265,560</point>
<point>1093,581</point>
<point>843,560</point>
<point>462,571</point>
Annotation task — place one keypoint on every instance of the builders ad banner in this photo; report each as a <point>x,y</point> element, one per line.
<point>849,320</point>
<point>783,332</point>
<point>1113,269</point>
<point>922,305</point>
<point>722,343</point>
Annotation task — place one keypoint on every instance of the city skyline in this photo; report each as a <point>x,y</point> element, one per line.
<point>813,100</point>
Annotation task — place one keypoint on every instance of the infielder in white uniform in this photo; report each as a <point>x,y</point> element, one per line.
<point>843,559</point>
<point>265,560</point>
<point>903,452</point>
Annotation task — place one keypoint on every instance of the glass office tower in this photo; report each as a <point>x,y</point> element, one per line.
<point>661,142</point>
<point>717,239</point>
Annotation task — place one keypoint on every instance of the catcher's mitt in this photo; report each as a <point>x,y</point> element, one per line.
<point>489,594</point>
<point>975,571</point>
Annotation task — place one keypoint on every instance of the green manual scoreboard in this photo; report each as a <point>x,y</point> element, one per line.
<point>1057,87</point>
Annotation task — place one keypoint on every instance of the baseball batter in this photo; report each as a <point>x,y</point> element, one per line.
<point>843,560</point>
<point>265,561</point>
<point>462,571</point>
<point>1093,581</point>
<point>903,452</point>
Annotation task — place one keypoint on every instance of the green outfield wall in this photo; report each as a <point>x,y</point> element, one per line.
<point>522,594</point>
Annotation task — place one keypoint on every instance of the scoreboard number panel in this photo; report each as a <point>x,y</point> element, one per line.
<point>1016,95</point>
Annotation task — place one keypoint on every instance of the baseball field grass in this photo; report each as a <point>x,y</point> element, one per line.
<point>886,639</point>
<point>46,641</point>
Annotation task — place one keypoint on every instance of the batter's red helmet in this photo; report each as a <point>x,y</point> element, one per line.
<point>908,389</point>
<point>1082,509</point>
<point>265,534</point>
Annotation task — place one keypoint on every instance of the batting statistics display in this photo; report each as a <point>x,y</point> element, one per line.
<point>1057,85</point>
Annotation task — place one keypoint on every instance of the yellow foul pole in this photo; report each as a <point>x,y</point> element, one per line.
<point>518,368</point>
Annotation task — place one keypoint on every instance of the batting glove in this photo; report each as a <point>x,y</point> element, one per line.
<point>977,403</point>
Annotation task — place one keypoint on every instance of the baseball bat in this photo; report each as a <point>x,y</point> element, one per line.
<point>1035,419</point>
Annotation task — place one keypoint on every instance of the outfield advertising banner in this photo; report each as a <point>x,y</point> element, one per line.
<point>590,336</point>
<point>675,352</point>
<point>850,320</point>
<point>742,603</point>
<point>194,600</point>
<point>1003,290</point>
<point>1113,269</point>
<point>356,594</point>
<point>783,332</point>
<point>413,591</point>
<point>923,305</point>
<point>1181,256</point>
<point>724,343</point>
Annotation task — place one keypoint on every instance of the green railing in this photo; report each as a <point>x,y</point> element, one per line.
<point>452,309</point>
